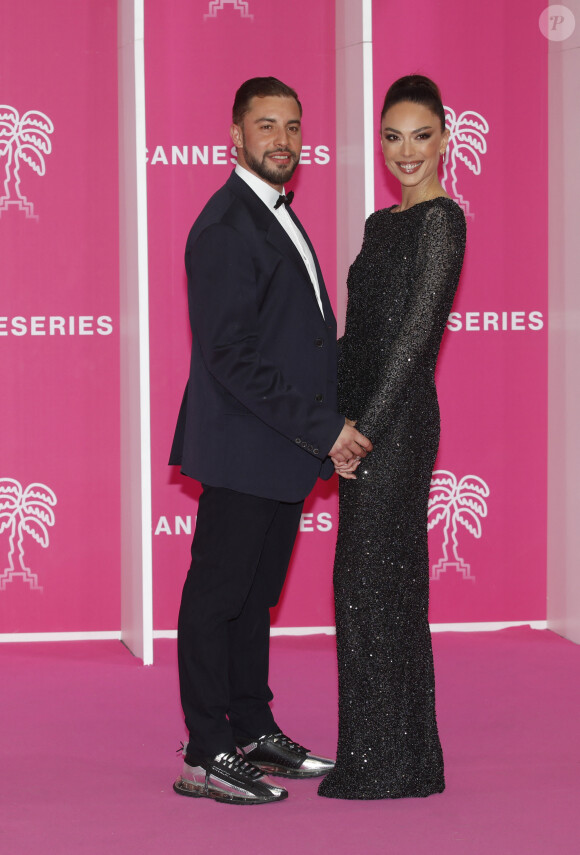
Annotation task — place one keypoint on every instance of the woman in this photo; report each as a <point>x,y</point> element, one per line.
<point>400,292</point>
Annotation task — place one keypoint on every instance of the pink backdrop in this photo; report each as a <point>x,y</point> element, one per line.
<point>492,382</point>
<point>58,317</point>
<point>194,65</point>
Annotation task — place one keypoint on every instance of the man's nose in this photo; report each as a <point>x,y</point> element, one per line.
<point>281,138</point>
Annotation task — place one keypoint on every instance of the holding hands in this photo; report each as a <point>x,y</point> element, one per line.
<point>349,449</point>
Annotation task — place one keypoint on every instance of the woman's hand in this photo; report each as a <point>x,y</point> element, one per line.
<point>346,470</point>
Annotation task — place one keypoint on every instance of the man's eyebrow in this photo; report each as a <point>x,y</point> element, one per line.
<point>274,121</point>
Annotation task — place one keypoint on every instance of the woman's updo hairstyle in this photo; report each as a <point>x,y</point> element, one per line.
<point>419,90</point>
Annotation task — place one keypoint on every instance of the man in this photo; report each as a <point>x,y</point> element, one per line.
<point>257,427</point>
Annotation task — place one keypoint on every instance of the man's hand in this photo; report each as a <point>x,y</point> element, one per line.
<point>350,446</point>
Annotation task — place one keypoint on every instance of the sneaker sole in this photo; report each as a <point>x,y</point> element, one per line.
<point>283,772</point>
<point>182,788</point>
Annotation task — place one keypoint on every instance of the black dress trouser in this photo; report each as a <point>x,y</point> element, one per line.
<point>240,554</point>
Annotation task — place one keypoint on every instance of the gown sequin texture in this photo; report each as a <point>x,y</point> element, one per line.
<point>400,292</point>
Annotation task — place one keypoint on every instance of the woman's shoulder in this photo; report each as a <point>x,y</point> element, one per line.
<point>448,204</point>
<point>443,215</point>
<point>442,205</point>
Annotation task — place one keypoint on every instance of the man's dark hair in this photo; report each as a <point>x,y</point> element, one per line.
<point>259,87</point>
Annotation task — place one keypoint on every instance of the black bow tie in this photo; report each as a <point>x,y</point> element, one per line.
<point>284,200</point>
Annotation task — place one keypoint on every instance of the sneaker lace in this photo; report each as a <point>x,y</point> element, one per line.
<point>236,763</point>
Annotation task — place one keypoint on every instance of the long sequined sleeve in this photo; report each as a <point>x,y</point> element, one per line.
<point>436,274</point>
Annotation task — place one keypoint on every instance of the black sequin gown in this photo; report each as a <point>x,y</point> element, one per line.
<point>400,291</point>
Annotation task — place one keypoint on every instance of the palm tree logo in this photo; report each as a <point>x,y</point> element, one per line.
<point>28,511</point>
<point>216,6</point>
<point>25,140</point>
<point>458,503</point>
<point>466,143</point>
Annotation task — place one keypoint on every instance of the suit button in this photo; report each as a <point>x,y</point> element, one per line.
<point>304,444</point>
<point>316,451</point>
<point>297,440</point>
<point>319,342</point>
<point>319,397</point>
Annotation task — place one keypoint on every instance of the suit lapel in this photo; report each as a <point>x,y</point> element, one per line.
<point>277,237</point>
<point>328,312</point>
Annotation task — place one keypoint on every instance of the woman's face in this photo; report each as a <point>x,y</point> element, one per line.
<point>412,143</point>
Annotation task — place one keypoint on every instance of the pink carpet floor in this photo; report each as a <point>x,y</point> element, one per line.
<point>88,739</point>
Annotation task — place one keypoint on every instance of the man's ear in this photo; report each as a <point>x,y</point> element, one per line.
<point>237,135</point>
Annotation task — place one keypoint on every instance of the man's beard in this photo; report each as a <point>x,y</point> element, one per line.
<point>272,174</point>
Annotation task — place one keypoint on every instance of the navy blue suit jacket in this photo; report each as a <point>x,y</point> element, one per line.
<point>259,413</point>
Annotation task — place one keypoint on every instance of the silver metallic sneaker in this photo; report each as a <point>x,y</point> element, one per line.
<point>278,755</point>
<point>230,778</point>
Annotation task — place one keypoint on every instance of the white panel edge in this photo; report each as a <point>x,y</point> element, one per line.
<point>105,635</point>
<point>482,626</point>
<point>145,396</point>
<point>115,635</point>
<point>368,108</point>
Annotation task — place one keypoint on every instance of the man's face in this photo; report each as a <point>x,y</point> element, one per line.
<point>269,140</point>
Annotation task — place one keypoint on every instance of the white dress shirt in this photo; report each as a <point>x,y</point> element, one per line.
<point>269,197</point>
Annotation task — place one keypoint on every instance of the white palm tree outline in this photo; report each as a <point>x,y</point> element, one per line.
<point>466,143</point>
<point>456,502</point>
<point>216,6</point>
<point>22,139</point>
<point>27,511</point>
